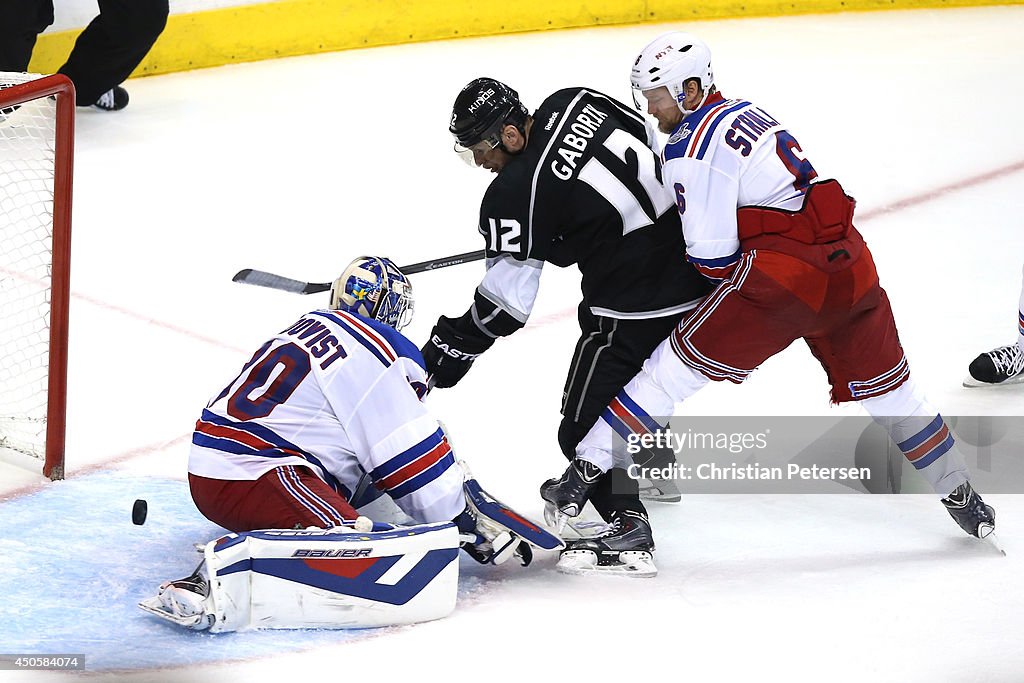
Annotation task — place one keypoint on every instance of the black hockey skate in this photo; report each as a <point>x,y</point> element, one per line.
<point>624,549</point>
<point>651,485</point>
<point>970,511</point>
<point>565,496</point>
<point>1004,365</point>
<point>114,99</point>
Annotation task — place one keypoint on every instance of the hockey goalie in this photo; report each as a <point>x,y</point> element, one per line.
<point>282,457</point>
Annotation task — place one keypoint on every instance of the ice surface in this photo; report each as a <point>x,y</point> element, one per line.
<point>295,166</point>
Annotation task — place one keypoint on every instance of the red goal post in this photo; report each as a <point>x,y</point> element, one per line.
<point>37,122</point>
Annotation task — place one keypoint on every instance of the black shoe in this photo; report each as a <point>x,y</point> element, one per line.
<point>1004,365</point>
<point>114,99</point>
<point>970,511</point>
<point>625,548</point>
<point>569,493</point>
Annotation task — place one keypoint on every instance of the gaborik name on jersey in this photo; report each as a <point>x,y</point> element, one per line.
<point>574,143</point>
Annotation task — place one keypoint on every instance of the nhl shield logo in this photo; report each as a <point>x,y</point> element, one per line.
<point>681,134</point>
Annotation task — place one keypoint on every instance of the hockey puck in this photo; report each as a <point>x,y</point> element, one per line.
<point>139,511</point>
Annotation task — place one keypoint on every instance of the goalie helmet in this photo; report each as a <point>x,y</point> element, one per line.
<point>670,60</point>
<point>481,110</point>
<point>374,287</point>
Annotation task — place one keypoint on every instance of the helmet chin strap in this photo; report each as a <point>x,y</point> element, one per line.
<point>687,112</point>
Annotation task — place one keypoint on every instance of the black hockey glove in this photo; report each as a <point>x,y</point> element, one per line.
<point>452,348</point>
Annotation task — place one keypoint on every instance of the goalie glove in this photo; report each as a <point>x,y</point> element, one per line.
<point>488,544</point>
<point>454,345</point>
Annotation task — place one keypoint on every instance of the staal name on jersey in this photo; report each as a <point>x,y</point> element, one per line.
<point>747,128</point>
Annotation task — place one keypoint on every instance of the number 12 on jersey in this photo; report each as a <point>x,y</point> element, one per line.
<point>621,191</point>
<point>503,235</point>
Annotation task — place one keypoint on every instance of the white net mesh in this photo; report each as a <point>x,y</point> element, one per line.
<point>27,157</point>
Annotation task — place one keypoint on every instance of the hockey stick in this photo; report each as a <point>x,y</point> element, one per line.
<point>262,278</point>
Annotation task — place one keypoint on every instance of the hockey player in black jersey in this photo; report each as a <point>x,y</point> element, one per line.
<point>578,182</point>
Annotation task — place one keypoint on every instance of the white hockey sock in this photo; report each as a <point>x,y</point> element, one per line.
<point>922,435</point>
<point>643,406</point>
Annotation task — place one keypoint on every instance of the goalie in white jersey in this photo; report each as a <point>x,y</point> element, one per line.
<point>329,404</point>
<point>336,394</point>
<point>280,455</point>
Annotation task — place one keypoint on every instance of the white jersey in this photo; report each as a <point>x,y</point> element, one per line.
<point>339,394</point>
<point>725,155</point>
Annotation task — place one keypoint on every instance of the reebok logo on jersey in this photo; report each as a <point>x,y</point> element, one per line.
<point>551,122</point>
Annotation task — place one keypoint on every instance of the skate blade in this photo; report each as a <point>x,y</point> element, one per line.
<point>972,383</point>
<point>990,537</point>
<point>632,564</point>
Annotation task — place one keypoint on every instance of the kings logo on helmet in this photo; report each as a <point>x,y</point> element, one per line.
<point>480,100</point>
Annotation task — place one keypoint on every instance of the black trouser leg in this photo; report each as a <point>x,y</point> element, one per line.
<point>20,22</point>
<point>112,45</point>
<point>609,353</point>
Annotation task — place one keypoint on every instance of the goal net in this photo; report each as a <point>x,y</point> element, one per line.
<point>36,151</point>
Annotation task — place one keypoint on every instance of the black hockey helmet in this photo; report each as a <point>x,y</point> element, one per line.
<point>481,110</point>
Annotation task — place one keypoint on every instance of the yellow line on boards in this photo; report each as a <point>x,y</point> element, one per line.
<point>299,27</point>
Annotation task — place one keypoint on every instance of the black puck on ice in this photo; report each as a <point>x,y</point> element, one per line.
<point>139,511</point>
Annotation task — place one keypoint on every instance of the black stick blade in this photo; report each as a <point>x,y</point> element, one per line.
<point>261,278</point>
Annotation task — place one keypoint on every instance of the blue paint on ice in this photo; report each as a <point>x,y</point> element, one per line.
<point>73,567</point>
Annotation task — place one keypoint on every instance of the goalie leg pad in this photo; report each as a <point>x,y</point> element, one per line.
<point>328,578</point>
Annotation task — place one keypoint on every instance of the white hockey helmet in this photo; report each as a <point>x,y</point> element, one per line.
<point>375,288</point>
<point>670,60</point>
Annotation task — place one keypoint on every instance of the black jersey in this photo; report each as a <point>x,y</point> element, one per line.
<point>587,190</point>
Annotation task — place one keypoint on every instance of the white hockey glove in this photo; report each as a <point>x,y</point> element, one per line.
<point>487,543</point>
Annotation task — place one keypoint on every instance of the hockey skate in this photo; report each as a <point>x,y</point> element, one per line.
<point>659,490</point>
<point>623,550</point>
<point>1004,365</point>
<point>656,488</point>
<point>183,601</point>
<point>565,496</point>
<point>970,511</point>
<point>114,99</point>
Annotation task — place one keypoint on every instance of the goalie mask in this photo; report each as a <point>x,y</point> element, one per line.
<point>670,60</point>
<point>483,108</point>
<point>374,287</point>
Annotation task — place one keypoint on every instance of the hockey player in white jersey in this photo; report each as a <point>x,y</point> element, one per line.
<point>332,396</point>
<point>788,263</point>
<point>326,403</point>
<point>1002,365</point>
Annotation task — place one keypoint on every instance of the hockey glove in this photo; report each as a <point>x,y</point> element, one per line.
<point>488,545</point>
<point>452,348</point>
